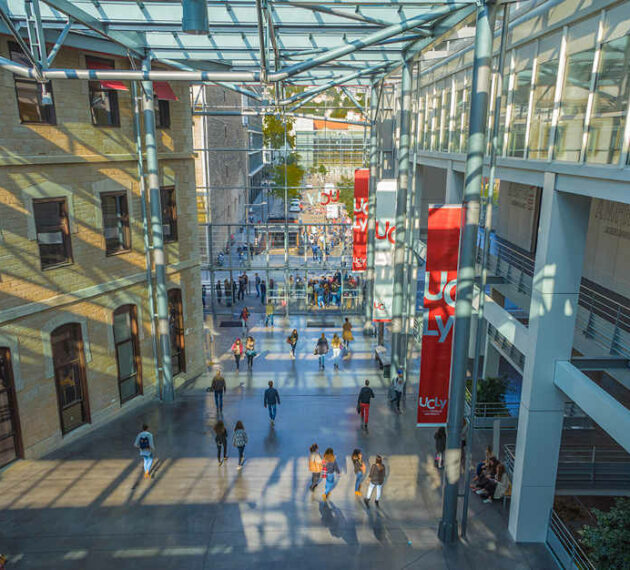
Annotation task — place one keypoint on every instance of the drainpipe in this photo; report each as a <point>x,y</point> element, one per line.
<point>148,109</point>
<point>145,233</point>
<point>480,90</point>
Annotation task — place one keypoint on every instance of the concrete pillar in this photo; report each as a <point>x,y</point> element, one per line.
<point>491,360</point>
<point>553,310</point>
<point>454,186</point>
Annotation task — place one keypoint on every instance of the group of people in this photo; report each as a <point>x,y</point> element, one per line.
<point>239,440</point>
<point>339,345</point>
<point>249,349</point>
<point>327,468</point>
<point>491,479</point>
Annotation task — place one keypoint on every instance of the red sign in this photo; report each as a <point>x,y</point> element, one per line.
<point>440,290</point>
<point>359,227</point>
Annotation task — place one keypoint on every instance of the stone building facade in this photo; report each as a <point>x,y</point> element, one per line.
<point>75,326</point>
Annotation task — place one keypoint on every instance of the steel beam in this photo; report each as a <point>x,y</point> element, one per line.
<point>60,39</point>
<point>371,225</point>
<point>448,531</point>
<point>399,346</point>
<point>600,363</point>
<point>159,259</point>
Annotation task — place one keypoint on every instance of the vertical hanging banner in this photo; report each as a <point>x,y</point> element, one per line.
<point>359,226</point>
<point>385,238</point>
<point>440,291</point>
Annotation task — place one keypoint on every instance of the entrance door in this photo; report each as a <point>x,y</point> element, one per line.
<point>69,363</point>
<point>10,442</point>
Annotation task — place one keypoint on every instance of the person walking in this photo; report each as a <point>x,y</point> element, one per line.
<point>346,335</point>
<point>377,478</point>
<point>244,318</point>
<point>292,339</point>
<point>257,283</point>
<point>269,313</point>
<point>239,440</point>
<point>250,351</point>
<point>359,470</point>
<point>220,438</point>
<point>263,291</point>
<point>270,400</point>
<point>248,285</point>
<point>218,387</point>
<point>336,349</point>
<point>237,351</point>
<point>228,292</point>
<point>241,287</point>
<point>144,442</point>
<point>399,388</point>
<point>440,446</point>
<point>329,469</point>
<point>218,290</point>
<point>314,466</point>
<point>363,404</point>
<point>321,350</point>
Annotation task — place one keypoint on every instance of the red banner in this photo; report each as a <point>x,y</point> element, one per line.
<point>359,227</point>
<point>440,290</point>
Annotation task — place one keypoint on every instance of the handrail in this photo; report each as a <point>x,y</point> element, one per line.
<point>587,455</point>
<point>573,556</point>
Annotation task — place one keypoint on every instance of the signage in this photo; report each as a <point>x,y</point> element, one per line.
<point>329,195</point>
<point>359,226</point>
<point>385,237</point>
<point>440,290</point>
<point>332,211</point>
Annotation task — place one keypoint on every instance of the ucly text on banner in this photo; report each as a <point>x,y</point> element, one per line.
<point>359,226</point>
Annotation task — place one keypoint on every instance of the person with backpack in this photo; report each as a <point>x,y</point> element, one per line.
<point>329,469</point>
<point>440,446</point>
<point>237,351</point>
<point>292,339</point>
<point>144,442</point>
<point>321,350</point>
<point>314,466</point>
<point>377,478</point>
<point>220,438</point>
<point>239,440</point>
<point>250,351</point>
<point>336,349</point>
<point>269,313</point>
<point>359,470</point>
<point>270,400</point>
<point>363,404</point>
<point>218,387</point>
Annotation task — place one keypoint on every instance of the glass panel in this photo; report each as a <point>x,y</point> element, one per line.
<point>520,106</point>
<point>435,123</point>
<point>126,359</point>
<point>69,380</point>
<point>6,423</point>
<point>122,326</point>
<point>445,121</point>
<point>30,102</point>
<point>503,109</point>
<point>128,389</point>
<point>573,106</point>
<point>610,104</point>
<point>457,120</point>
<point>544,91</point>
<point>51,228</point>
<point>104,106</point>
<point>115,222</point>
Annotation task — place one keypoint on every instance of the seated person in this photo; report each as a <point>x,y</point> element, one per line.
<point>495,486</point>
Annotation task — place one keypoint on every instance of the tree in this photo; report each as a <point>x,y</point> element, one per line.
<point>294,175</point>
<point>346,194</point>
<point>608,543</point>
<point>273,132</point>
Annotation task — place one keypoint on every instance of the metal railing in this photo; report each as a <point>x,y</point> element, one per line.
<point>502,343</point>
<point>565,547</point>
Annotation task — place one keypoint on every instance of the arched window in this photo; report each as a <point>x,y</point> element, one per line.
<point>10,441</point>
<point>70,377</point>
<point>127,347</point>
<point>176,331</point>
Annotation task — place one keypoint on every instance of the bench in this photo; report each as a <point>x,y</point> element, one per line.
<point>383,359</point>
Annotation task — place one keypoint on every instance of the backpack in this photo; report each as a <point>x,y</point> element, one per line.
<point>144,443</point>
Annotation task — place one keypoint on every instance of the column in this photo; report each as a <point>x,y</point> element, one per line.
<point>491,358</point>
<point>369,273</point>
<point>553,310</point>
<point>398,346</point>
<point>159,260</point>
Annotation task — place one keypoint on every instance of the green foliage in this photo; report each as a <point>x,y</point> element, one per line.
<point>491,391</point>
<point>273,132</point>
<point>346,194</point>
<point>321,169</point>
<point>294,175</point>
<point>608,543</point>
<point>339,113</point>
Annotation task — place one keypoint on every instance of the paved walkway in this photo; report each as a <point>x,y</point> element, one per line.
<point>86,507</point>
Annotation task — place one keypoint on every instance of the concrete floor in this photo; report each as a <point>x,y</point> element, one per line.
<point>87,507</point>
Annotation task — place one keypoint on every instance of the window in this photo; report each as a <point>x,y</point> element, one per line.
<point>610,103</point>
<point>445,120</point>
<point>104,95</point>
<point>544,90</point>
<point>53,232</point>
<point>176,331</point>
<point>115,222</point>
<point>169,213</point>
<point>127,352</point>
<point>521,89</point>
<point>30,94</point>
<point>163,114</point>
<point>70,380</point>
<point>10,441</point>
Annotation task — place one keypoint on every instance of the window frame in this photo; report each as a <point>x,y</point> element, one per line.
<point>77,337</point>
<point>175,302</point>
<point>132,311</point>
<point>64,227</point>
<point>171,209</point>
<point>112,95</point>
<point>163,114</point>
<point>126,223</point>
<point>14,413</point>
<point>47,111</point>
